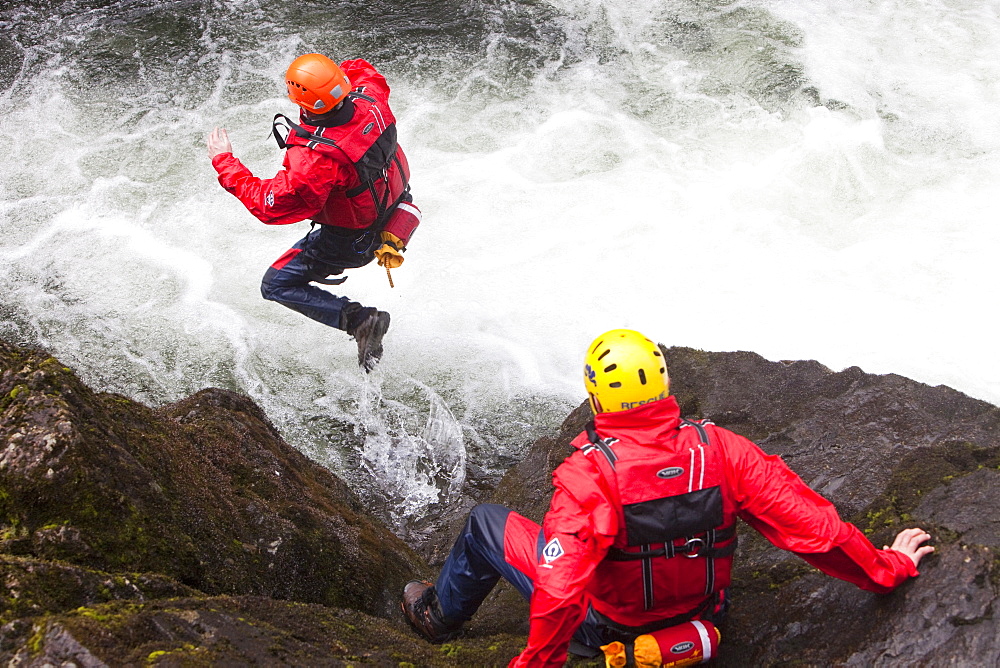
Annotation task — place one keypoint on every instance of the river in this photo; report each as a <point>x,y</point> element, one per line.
<point>806,180</point>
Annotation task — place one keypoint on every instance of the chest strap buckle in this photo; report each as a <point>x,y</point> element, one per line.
<point>692,547</point>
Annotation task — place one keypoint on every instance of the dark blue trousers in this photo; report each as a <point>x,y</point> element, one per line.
<point>325,251</point>
<point>498,543</point>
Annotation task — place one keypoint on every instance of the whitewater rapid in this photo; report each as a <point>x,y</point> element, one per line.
<point>805,180</point>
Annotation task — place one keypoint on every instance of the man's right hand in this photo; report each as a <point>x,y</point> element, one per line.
<point>908,541</point>
<point>218,142</point>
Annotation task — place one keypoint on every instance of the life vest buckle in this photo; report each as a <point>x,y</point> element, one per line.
<point>692,547</point>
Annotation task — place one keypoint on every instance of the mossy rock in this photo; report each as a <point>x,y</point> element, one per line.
<point>204,492</point>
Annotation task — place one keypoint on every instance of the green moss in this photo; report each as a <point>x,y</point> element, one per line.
<point>111,616</point>
<point>774,578</point>
<point>450,649</point>
<point>35,641</point>
<point>52,525</point>
<point>90,613</point>
<point>918,473</point>
<point>886,515</point>
<point>186,654</point>
<point>11,396</point>
<point>13,531</point>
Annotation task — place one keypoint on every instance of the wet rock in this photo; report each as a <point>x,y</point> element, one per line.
<point>968,506</point>
<point>890,453</point>
<point>193,535</point>
<point>238,631</point>
<point>203,491</point>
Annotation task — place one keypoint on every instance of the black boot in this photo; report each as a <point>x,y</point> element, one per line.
<point>367,325</point>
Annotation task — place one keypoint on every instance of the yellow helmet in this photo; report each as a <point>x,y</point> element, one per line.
<point>624,369</point>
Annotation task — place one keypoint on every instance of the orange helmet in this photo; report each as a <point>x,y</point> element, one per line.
<point>316,83</point>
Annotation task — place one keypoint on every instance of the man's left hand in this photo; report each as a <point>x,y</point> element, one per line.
<point>218,142</point>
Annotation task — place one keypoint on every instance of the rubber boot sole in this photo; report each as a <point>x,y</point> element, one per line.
<point>369,337</point>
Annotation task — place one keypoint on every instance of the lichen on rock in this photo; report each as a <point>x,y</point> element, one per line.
<point>192,534</point>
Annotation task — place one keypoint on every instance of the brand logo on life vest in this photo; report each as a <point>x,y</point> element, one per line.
<point>682,647</point>
<point>269,199</point>
<point>669,473</point>
<point>368,128</point>
<point>552,550</point>
<point>590,374</point>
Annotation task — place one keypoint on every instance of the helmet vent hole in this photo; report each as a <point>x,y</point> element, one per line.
<point>614,384</point>
<point>604,354</point>
<point>642,376</point>
<point>656,352</point>
<point>610,368</point>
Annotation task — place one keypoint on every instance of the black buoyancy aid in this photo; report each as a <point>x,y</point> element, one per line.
<point>368,141</point>
<point>671,503</point>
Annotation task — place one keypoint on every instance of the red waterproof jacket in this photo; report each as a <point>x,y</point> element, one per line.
<point>321,182</point>
<point>585,518</point>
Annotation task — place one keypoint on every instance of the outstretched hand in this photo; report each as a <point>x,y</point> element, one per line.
<point>908,541</point>
<point>218,142</point>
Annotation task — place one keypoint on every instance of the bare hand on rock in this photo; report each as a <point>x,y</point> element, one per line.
<point>908,541</point>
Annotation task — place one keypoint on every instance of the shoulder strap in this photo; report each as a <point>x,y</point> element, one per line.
<point>383,207</point>
<point>357,95</point>
<point>298,130</point>
<point>699,426</point>
<point>603,446</point>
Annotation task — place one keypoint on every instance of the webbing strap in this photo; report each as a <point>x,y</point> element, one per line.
<point>299,132</point>
<point>670,550</point>
<point>382,210</point>
<point>647,581</point>
<point>601,444</point>
<point>329,281</point>
<point>635,631</point>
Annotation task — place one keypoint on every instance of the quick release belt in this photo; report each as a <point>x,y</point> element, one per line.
<point>694,547</point>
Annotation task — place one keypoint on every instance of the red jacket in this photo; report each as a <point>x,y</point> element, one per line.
<point>756,487</point>
<point>315,182</point>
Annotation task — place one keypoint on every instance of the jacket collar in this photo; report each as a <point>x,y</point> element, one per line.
<point>339,116</point>
<point>652,422</point>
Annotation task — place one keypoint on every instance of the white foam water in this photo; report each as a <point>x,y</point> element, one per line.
<point>806,180</point>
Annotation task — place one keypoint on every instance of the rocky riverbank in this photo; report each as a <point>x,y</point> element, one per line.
<point>192,534</point>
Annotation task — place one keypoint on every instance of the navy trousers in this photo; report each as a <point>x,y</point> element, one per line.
<point>498,543</point>
<point>325,251</point>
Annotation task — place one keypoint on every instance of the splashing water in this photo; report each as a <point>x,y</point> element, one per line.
<point>805,180</point>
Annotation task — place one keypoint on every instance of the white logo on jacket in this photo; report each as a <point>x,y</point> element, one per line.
<point>552,551</point>
<point>269,199</point>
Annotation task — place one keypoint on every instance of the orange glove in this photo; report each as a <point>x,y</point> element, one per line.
<point>390,253</point>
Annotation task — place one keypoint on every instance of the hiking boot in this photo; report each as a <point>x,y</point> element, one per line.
<point>368,326</point>
<point>421,609</point>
